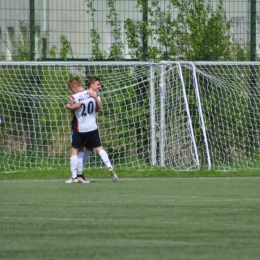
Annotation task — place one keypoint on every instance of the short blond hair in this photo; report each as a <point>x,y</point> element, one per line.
<point>74,81</point>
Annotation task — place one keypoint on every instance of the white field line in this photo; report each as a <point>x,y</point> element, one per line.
<point>7,218</point>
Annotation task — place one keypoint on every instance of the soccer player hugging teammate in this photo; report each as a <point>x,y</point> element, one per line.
<point>84,105</point>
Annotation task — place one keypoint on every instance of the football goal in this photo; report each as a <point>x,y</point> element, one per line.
<point>179,115</point>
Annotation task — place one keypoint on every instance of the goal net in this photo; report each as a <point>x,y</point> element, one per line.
<point>145,121</point>
<point>179,115</point>
<point>227,120</point>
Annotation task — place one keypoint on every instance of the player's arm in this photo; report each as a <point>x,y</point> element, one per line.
<point>97,98</point>
<point>73,107</point>
<point>99,104</point>
<point>72,104</point>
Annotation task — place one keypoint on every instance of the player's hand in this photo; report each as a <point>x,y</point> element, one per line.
<point>92,93</point>
<point>76,105</point>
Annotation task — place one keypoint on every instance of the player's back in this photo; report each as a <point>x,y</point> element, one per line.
<point>84,119</point>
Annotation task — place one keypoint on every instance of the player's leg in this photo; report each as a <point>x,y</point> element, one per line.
<point>73,165</point>
<point>77,141</point>
<point>87,153</point>
<point>104,156</point>
<point>83,156</point>
<point>96,143</point>
<point>82,159</point>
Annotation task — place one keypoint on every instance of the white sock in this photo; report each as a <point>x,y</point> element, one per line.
<point>80,162</point>
<point>74,165</point>
<point>105,159</point>
<point>87,153</point>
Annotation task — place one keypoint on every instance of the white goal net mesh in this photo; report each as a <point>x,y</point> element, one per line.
<point>230,98</point>
<point>183,116</point>
<point>36,128</point>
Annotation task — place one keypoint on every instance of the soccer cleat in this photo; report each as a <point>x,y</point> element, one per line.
<point>82,179</point>
<point>113,175</point>
<point>72,180</point>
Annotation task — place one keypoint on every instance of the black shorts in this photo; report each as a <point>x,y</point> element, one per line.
<point>88,140</point>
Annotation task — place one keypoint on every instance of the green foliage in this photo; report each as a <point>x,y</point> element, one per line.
<point>19,46</point>
<point>204,31</point>
<point>65,47</point>
<point>239,52</point>
<point>185,37</point>
<point>198,32</point>
<point>53,51</point>
<point>95,40</point>
<point>116,49</point>
<point>65,51</point>
<point>163,32</point>
<point>95,37</point>
<point>117,45</point>
<point>2,56</point>
<point>138,34</point>
<point>133,38</point>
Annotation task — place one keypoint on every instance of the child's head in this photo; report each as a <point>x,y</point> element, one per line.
<point>94,83</point>
<point>74,84</point>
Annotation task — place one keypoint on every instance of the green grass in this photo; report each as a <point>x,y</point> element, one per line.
<point>166,215</point>
<point>64,172</point>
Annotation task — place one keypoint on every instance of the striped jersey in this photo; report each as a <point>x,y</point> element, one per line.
<point>84,118</point>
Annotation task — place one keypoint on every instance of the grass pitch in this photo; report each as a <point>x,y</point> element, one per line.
<point>137,218</point>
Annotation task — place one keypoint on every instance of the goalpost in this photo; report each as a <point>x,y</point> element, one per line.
<point>179,115</point>
<point>228,114</point>
<point>138,127</point>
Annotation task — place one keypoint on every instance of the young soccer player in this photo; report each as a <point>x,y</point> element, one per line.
<point>85,104</point>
